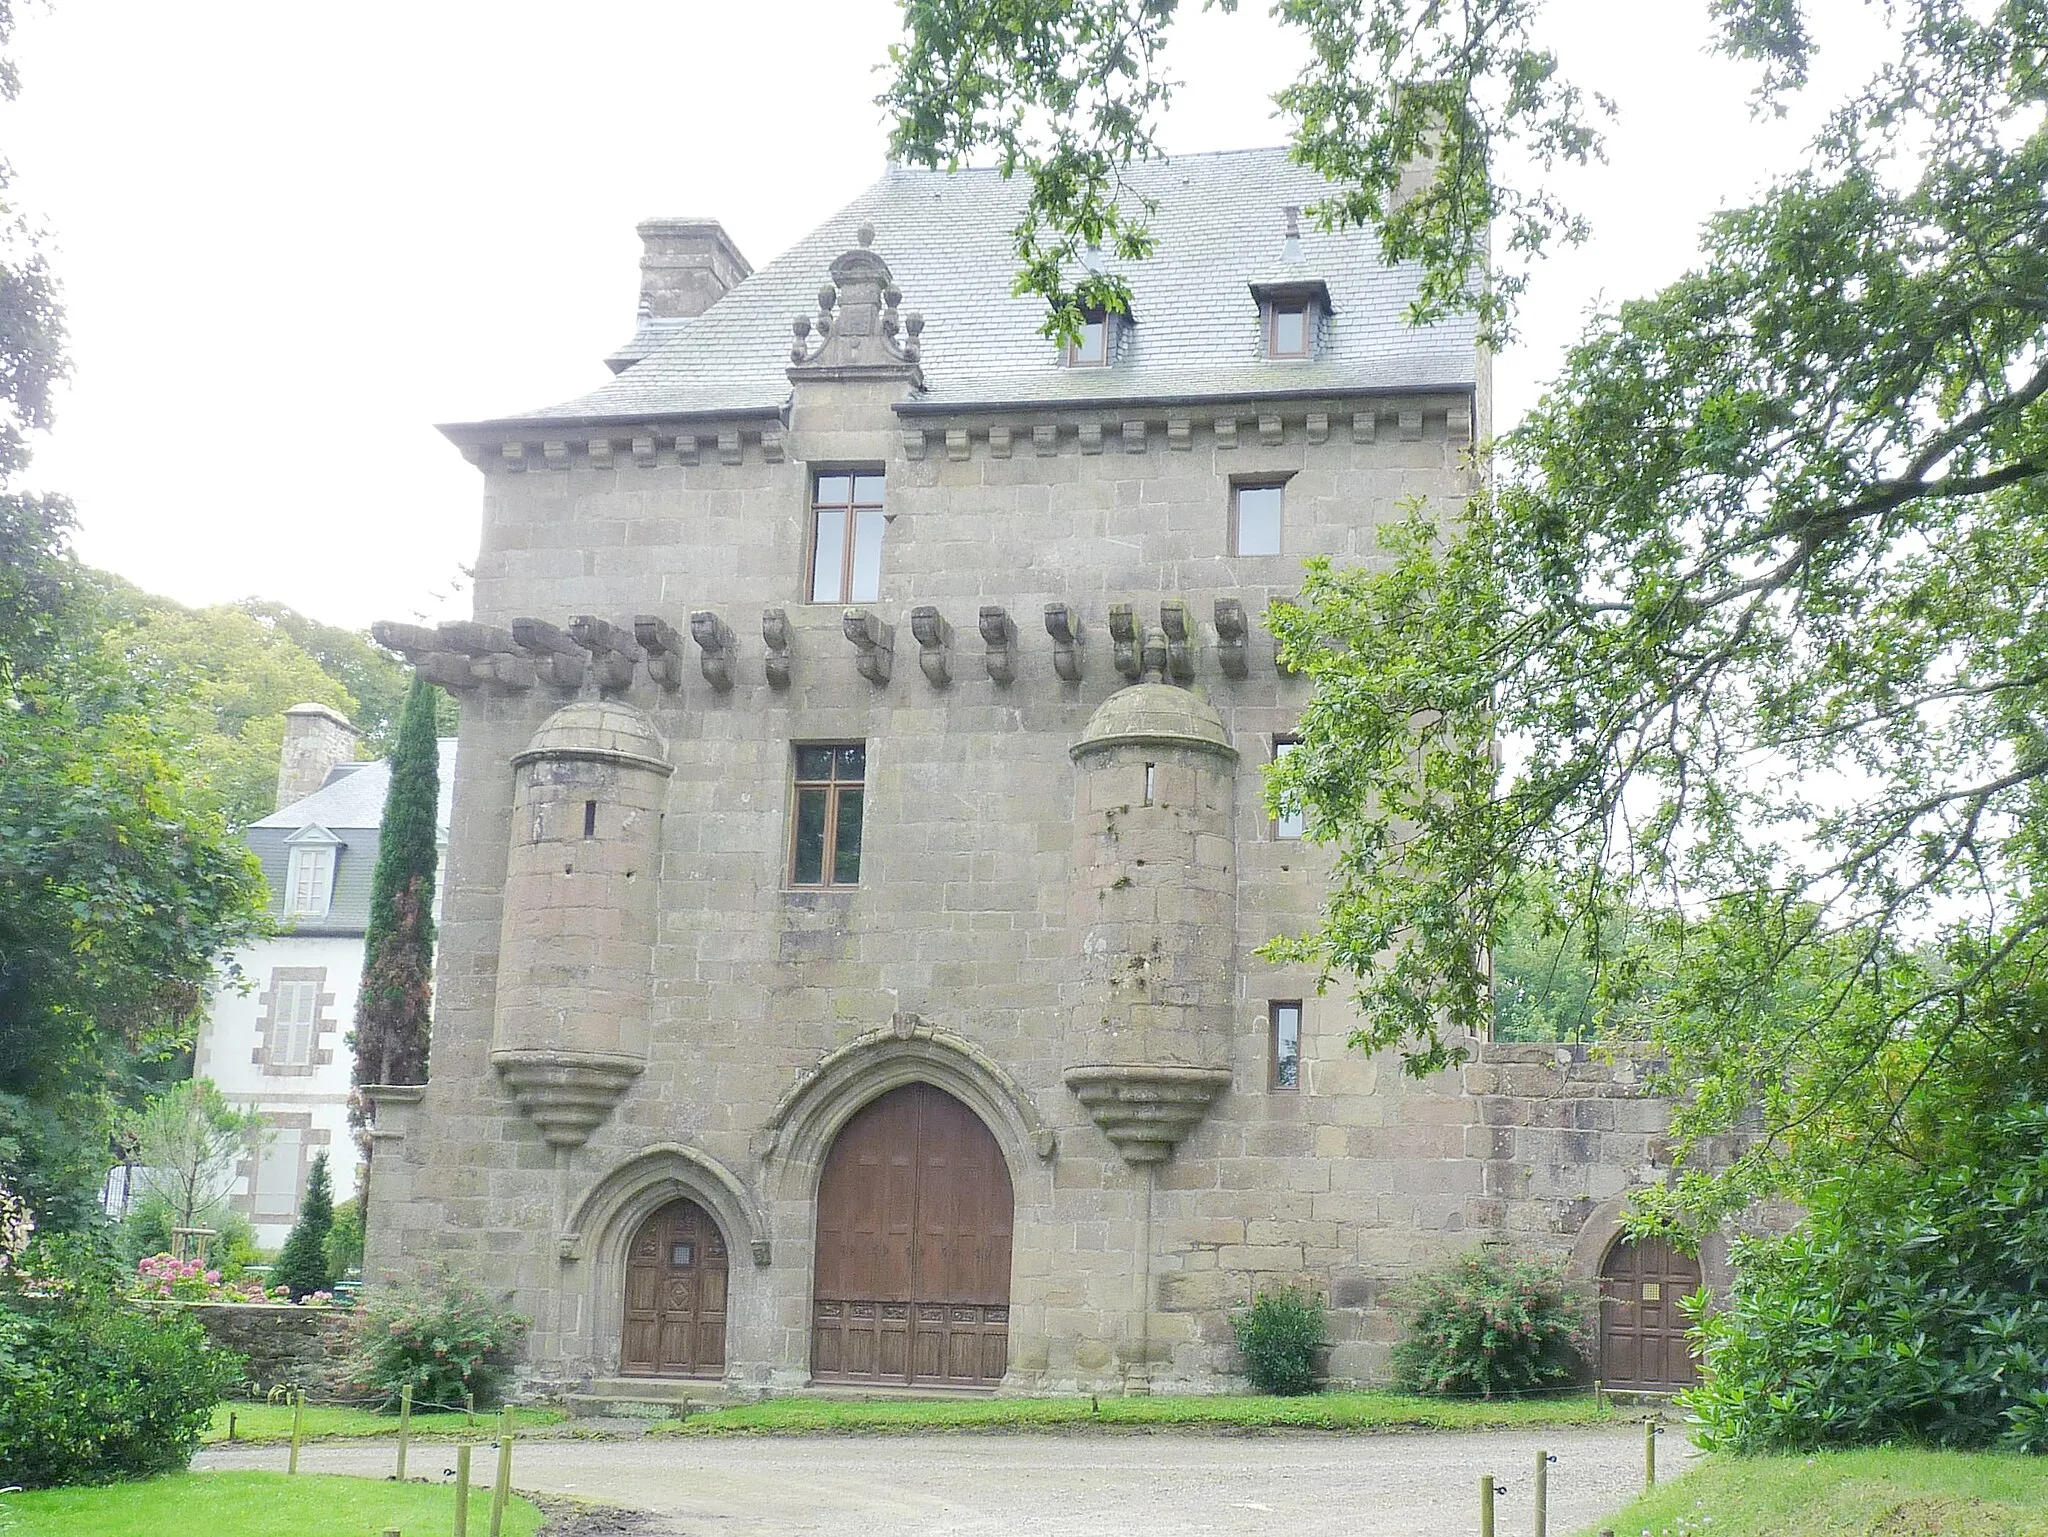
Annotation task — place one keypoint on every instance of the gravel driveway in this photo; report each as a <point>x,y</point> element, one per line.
<point>1287,1485</point>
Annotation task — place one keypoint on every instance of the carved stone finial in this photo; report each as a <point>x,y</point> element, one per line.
<point>865,235</point>
<point>863,340</point>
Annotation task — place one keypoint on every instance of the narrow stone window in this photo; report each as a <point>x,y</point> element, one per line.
<point>830,796</point>
<point>590,819</point>
<point>1287,329</point>
<point>1255,518</point>
<point>1150,770</point>
<point>1291,823</point>
<point>846,538</point>
<point>1284,1017</point>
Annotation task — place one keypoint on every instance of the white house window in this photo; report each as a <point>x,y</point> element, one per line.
<point>277,1175</point>
<point>296,1016</point>
<point>309,877</point>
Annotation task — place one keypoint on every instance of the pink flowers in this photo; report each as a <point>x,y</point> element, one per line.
<point>162,1278</point>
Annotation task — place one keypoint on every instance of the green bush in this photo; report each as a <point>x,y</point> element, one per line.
<point>93,1387</point>
<point>344,1247</point>
<point>1490,1326</point>
<point>444,1339</point>
<point>146,1230</point>
<point>1282,1336</point>
<point>1911,1305</point>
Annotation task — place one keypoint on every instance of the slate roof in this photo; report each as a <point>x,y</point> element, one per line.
<point>946,238</point>
<point>353,797</point>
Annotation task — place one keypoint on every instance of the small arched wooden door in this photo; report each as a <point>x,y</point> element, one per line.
<point>675,1296</point>
<point>1643,1345</point>
<point>913,1263</point>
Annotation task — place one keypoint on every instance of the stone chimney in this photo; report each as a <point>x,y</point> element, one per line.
<point>686,266</point>
<point>316,738</point>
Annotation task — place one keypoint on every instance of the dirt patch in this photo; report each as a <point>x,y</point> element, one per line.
<point>583,1518</point>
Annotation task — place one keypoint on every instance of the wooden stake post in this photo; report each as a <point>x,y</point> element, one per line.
<point>404,1427</point>
<point>298,1429</point>
<point>462,1490</point>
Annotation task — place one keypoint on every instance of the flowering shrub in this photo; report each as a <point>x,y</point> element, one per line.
<point>1490,1326</point>
<point>161,1278</point>
<point>442,1340</point>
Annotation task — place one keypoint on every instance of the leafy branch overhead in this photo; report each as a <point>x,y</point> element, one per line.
<point>1407,106</point>
<point>1755,607</point>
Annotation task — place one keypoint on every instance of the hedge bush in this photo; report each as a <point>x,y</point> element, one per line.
<point>1911,1305</point>
<point>94,1387</point>
<point>443,1338</point>
<point>1282,1336</point>
<point>1489,1325</point>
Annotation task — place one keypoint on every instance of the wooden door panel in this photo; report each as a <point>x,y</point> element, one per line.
<point>914,1226</point>
<point>1643,1343</point>
<point>676,1278</point>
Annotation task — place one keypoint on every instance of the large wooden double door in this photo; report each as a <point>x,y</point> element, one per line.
<point>913,1260</point>
<point>1643,1344</point>
<point>675,1295</point>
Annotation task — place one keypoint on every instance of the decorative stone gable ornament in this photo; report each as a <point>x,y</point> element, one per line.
<point>860,334</point>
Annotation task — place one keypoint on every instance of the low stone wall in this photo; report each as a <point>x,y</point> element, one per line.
<point>285,1346</point>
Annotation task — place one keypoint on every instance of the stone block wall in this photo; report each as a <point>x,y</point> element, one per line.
<point>292,1347</point>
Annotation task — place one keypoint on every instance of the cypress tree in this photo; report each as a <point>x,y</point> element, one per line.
<point>395,1000</point>
<point>302,1263</point>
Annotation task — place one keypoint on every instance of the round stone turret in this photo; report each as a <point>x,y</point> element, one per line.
<point>576,949</point>
<point>1155,874</point>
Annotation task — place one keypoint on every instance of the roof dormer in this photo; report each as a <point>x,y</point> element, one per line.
<point>1292,314</point>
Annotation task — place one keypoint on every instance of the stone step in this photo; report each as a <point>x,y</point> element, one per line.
<point>646,1398</point>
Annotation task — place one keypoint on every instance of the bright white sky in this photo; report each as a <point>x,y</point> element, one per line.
<point>292,238</point>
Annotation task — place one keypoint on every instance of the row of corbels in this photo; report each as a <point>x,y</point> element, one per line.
<point>463,655</point>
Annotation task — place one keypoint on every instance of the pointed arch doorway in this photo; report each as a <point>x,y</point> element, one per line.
<point>676,1270</point>
<point>915,1212</point>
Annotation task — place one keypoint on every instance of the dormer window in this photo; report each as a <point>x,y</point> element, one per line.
<point>1287,329</point>
<point>1096,346</point>
<point>1291,316</point>
<point>309,874</point>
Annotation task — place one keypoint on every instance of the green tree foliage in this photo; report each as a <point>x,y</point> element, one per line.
<point>344,1246</point>
<point>119,885</point>
<point>302,1263</point>
<point>394,1004</point>
<point>191,1144</point>
<point>1492,1325</point>
<point>443,1340</point>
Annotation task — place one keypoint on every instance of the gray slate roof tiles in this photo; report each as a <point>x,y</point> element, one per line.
<point>355,799</point>
<point>947,240</point>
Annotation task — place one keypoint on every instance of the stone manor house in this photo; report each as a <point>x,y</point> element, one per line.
<point>849,968</point>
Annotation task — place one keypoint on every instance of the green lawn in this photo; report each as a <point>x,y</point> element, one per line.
<point>262,1423</point>
<point>1848,1494</point>
<point>1324,1411</point>
<point>253,1505</point>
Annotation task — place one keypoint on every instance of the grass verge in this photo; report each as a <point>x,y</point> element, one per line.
<point>268,1424</point>
<point>1877,1493</point>
<point>252,1505</point>
<point>1323,1411</point>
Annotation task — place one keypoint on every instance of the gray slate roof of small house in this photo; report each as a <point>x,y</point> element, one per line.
<point>947,240</point>
<point>353,797</point>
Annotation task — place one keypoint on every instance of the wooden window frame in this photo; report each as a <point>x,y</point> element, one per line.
<point>1273,1080</point>
<point>1071,353</point>
<point>1282,746</point>
<point>1274,309</point>
<point>848,512</point>
<point>834,789</point>
<point>1258,483</point>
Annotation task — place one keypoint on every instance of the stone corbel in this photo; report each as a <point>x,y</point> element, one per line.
<point>775,636</point>
<point>1180,640</point>
<point>1126,644</point>
<point>1064,626</point>
<point>1233,653</point>
<point>935,644</point>
<point>556,453</point>
<point>557,659</point>
<point>422,647</point>
<point>719,649</point>
<point>874,644</point>
<point>493,658</point>
<point>1145,1109</point>
<point>614,654</point>
<point>999,635</point>
<point>1410,423</point>
<point>1226,432</point>
<point>1270,433</point>
<point>664,650</point>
